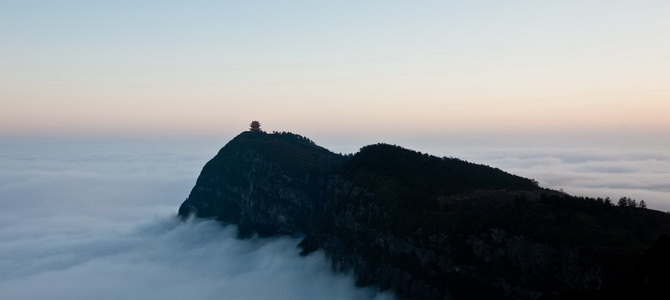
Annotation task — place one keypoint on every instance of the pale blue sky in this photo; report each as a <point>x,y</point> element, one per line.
<point>573,93</point>
<point>336,68</point>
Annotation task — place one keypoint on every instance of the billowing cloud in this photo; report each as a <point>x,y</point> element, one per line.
<point>643,174</point>
<point>167,259</point>
<point>98,221</point>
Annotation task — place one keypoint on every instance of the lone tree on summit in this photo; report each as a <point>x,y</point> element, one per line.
<point>255,126</point>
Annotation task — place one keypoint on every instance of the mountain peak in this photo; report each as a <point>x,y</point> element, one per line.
<point>424,226</point>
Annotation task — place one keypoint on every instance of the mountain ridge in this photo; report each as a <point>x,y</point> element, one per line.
<point>423,226</point>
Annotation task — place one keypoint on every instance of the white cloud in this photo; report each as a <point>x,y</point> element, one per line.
<point>167,259</point>
<point>98,221</point>
<point>640,173</point>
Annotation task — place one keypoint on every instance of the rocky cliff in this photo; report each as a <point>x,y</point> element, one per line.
<point>428,227</point>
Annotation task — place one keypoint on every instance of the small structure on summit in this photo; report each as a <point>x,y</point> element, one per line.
<point>255,126</point>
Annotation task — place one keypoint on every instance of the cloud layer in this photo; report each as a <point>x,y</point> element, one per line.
<point>95,219</point>
<point>166,259</point>
<point>640,173</point>
<point>98,221</point>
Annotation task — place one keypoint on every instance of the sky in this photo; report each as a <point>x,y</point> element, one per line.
<point>109,109</point>
<point>98,220</point>
<point>334,69</point>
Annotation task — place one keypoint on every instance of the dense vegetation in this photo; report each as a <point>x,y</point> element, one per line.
<point>405,178</point>
<point>426,226</point>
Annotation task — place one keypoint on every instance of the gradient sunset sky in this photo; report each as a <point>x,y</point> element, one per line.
<point>336,68</point>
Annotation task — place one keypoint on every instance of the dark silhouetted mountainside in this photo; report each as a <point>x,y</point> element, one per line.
<point>429,227</point>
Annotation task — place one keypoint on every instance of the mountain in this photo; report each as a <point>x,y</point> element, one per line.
<point>432,228</point>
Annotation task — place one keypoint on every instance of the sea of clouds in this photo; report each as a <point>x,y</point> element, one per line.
<point>96,218</point>
<point>640,173</point>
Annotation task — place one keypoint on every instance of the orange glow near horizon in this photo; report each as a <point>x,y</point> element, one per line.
<point>458,68</point>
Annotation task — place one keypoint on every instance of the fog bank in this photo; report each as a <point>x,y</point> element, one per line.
<point>97,220</point>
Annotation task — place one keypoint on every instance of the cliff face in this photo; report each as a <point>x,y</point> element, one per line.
<point>425,227</point>
<point>266,184</point>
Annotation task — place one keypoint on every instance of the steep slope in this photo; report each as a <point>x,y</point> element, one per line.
<point>429,227</point>
<point>264,183</point>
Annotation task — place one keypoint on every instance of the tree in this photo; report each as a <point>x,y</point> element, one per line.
<point>629,202</point>
<point>255,126</point>
<point>623,201</point>
<point>608,201</point>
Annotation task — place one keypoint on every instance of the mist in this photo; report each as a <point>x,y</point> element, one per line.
<point>96,218</point>
<point>637,172</point>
